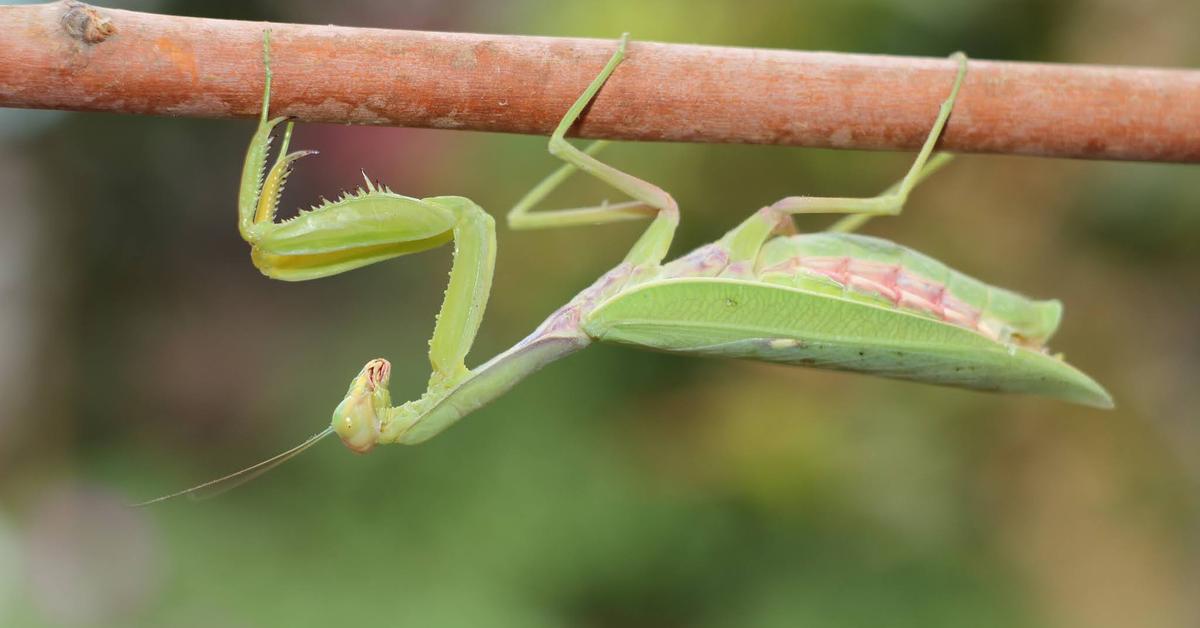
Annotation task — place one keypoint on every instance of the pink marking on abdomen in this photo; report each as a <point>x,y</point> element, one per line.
<point>876,278</point>
<point>906,290</point>
<point>939,302</point>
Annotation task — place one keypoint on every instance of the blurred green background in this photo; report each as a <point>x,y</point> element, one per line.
<point>140,352</point>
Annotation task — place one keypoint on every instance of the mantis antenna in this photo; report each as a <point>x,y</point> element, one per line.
<point>212,488</point>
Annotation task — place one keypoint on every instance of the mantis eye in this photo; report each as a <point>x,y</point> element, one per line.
<point>357,423</point>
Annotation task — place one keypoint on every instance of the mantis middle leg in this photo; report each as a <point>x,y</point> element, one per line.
<point>650,199</point>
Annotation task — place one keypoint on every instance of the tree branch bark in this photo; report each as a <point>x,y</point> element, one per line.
<point>67,55</point>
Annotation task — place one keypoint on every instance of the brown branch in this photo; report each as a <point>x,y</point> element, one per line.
<point>67,55</point>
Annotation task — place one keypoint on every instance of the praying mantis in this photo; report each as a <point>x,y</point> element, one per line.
<point>833,300</point>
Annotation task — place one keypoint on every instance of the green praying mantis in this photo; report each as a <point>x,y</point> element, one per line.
<point>831,300</point>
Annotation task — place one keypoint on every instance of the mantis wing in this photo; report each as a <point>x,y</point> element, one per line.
<point>746,319</point>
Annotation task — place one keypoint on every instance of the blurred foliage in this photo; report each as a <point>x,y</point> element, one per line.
<point>141,352</point>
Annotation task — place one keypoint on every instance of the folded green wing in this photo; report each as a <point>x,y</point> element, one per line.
<point>745,319</point>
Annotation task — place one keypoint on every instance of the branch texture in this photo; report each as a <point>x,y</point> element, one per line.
<point>67,55</point>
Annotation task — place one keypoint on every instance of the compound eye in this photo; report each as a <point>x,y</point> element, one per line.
<point>355,423</point>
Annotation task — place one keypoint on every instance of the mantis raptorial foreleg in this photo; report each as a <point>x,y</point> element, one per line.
<point>360,228</point>
<point>363,227</point>
<point>652,247</point>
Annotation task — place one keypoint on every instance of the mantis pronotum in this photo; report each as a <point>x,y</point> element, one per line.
<point>830,300</point>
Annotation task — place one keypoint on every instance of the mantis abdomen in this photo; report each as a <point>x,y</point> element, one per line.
<point>764,321</point>
<point>873,270</point>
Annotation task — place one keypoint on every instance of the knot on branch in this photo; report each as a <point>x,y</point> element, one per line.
<point>85,23</point>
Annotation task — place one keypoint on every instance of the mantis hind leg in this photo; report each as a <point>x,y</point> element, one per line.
<point>891,201</point>
<point>854,220</point>
<point>649,199</point>
<point>744,241</point>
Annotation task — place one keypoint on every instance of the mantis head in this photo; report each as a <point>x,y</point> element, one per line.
<point>358,419</point>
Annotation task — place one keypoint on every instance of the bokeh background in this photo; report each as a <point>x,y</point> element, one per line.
<point>140,352</point>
